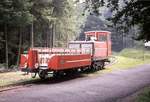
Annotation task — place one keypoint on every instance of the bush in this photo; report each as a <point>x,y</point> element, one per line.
<point>144,96</point>
<point>2,65</point>
<point>135,53</point>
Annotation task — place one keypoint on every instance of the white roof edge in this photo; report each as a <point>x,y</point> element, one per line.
<point>97,31</point>
<point>81,41</point>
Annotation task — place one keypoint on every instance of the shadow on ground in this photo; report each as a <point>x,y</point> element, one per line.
<point>54,80</point>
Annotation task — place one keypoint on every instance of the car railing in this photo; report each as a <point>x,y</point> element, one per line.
<point>62,51</point>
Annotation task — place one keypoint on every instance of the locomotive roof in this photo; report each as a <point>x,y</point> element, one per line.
<point>98,31</point>
<point>86,42</point>
<point>81,41</point>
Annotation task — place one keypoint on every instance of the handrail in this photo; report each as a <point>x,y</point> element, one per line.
<point>62,51</point>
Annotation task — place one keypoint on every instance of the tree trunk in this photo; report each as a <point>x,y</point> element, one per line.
<point>32,36</point>
<point>6,46</point>
<point>54,33</point>
<point>19,47</point>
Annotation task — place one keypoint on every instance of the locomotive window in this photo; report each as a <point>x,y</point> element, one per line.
<point>102,38</point>
<point>87,48</point>
<point>74,46</point>
<point>25,52</point>
<point>43,52</point>
<point>90,38</point>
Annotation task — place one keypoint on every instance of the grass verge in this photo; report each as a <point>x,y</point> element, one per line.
<point>14,78</point>
<point>144,96</point>
<point>127,59</point>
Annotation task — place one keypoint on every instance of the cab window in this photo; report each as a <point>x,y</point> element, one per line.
<point>102,38</point>
<point>91,38</point>
<point>74,46</point>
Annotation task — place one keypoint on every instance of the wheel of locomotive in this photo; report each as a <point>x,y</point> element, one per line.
<point>95,66</point>
<point>69,72</point>
<point>58,74</point>
<point>33,75</point>
<point>83,69</point>
<point>42,74</point>
<point>102,64</point>
<point>98,65</point>
<point>55,74</point>
<point>88,68</point>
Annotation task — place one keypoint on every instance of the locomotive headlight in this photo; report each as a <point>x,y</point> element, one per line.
<point>36,65</point>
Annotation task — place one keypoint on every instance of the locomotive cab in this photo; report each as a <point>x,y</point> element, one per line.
<point>101,36</point>
<point>98,43</point>
<point>102,43</point>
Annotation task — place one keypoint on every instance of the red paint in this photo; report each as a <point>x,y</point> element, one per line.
<point>23,60</point>
<point>61,62</point>
<point>102,48</point>
<point>32,58</point>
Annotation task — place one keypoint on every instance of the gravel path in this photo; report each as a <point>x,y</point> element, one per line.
<point>109,87</point>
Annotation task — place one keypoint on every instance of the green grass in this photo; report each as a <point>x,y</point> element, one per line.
<point>126,62</point>
<point>144,96</point>
<point>131,57</point>
<point>135,53</point>
<point>13,78</point>
<point>127,59</point>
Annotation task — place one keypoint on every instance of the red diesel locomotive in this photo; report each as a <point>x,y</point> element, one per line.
<point>91,53</point>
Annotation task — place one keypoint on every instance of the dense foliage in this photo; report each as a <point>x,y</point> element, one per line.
<point>126,14</point>
<point>52,22</point>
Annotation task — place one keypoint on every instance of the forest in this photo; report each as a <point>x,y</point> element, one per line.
<point>52,23</point>
<point>40,23</point>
